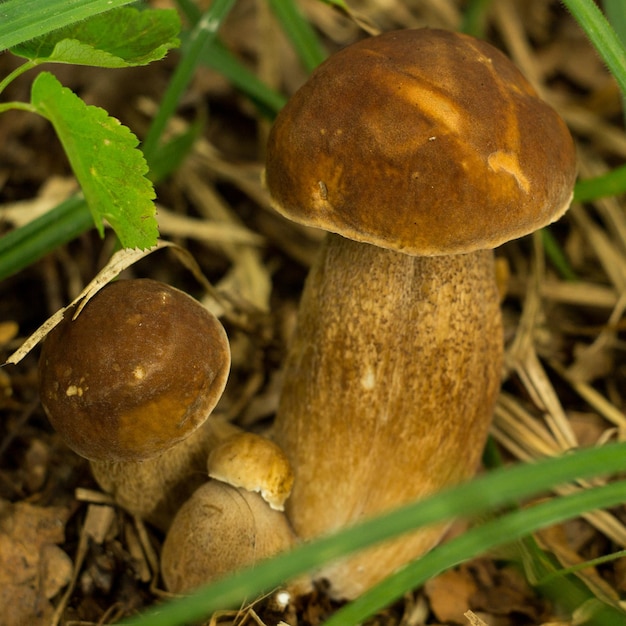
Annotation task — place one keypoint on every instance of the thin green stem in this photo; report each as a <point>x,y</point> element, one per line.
<point>21,106</point>
<point>555,253</point>
<point>18,71</point>
<point>566,571</point>
<point>203,33</point>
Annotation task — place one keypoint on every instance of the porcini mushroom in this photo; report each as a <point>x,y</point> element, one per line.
<point>419,151</point>
<point>254,463</point>
<point>129,383</point>
<point>234,520</point>
<point>138,370</point>
<point>219,530</point>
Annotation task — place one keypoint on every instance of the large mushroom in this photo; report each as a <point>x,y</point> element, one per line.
<point>419,151</point>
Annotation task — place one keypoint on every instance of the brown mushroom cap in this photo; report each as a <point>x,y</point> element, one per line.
<point>220,530</point>
<point>425,141</point>
<point>254,463</point>
<point>137,371</point>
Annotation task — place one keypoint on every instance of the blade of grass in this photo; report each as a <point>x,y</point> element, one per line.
<point>300,32</point>
<point>21,20</point>
<point>218,57</point>
<point>610,184</point>
<point>616,14</point>
<point>484,494</point>
<point>203,33</point>
<point>23,246</point>
<point>602,36</point>
<point>474,18</point>
<point>490,535</point>
<point>557,257</point>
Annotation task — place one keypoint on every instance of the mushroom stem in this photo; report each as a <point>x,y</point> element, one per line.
<point>389,390</point>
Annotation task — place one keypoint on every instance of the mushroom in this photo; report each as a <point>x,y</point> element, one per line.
<point>154,489</point>
<point>254,463</point>
<point>129,383</point>
<point>419,151</point>
<point>219,530</point>
<point>226,525</point>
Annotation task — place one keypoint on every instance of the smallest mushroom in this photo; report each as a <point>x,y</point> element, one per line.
<point>253,463</point>
<point>233,522</point>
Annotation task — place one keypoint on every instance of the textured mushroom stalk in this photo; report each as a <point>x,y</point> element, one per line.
<point>389,390</point>
<point>154,489</point>
<point>254,463</point>
<point>219,530</point>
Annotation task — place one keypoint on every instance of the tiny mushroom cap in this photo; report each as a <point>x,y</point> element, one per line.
<point>254,463</point>
<point>424,141</point>
<point>138,370</point>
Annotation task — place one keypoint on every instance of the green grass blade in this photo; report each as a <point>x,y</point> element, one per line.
<point>477,541</point>
<point>557,256</point>
<point>27,244</point>
<point>484,494</point>
<point>474,17</point>
<point>602,36</point>
<point>203,33</point>
<point>300,32</point>
<point>218,57</point>
<point>21,20</point>
<point>610,184</point>
<point>616,14</point>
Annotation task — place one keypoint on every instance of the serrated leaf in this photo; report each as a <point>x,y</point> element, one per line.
<point>123,37</point>
<point>106,161</point>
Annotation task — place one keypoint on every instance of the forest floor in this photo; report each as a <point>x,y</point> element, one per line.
<point>565,379</point>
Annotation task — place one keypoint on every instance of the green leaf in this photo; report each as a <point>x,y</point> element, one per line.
<point>120,38</point>
<point>106,161</point>
<point>21,20</point>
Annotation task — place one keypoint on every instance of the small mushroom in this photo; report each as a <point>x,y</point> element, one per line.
<point>234,520</point>
<point>219,530</point>
<point>419,151</point>
<point>138,370</point>
<point>254,463</point>
<point>129,384</point>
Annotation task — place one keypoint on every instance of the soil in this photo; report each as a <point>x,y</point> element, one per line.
<point>69,555</point>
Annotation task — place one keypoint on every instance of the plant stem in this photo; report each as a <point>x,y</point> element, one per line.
<point>22,106</point>
<point>18,71</point>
